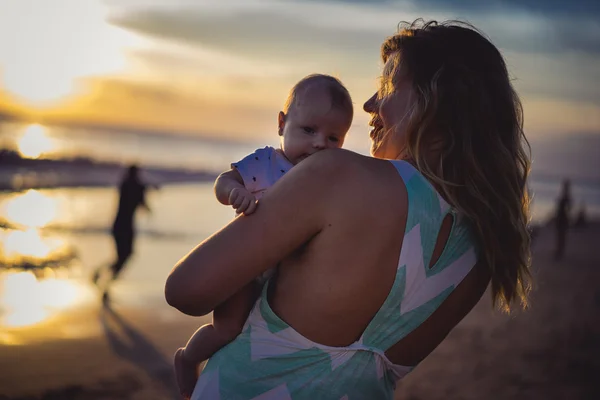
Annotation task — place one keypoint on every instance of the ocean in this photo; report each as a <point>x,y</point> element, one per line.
<point>63,233</point>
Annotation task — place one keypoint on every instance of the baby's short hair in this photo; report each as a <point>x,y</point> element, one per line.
<point>340,97</point>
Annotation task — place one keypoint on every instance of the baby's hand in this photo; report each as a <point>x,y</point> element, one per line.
<point>242,201</point>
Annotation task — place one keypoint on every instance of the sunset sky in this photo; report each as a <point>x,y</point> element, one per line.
<point>223,68</point>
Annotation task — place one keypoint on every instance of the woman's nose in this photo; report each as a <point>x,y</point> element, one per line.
<point>370,105</point>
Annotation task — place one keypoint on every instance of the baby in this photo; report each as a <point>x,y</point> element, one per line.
<point>317,115</point>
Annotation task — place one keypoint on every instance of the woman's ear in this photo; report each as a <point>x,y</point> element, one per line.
<point>281,122</point>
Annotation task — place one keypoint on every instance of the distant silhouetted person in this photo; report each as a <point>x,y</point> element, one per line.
<point>581,219</point>
<point>132,194</point>
<point>561,219</point>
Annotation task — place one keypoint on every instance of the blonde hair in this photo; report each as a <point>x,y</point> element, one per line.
<point>464,100</point>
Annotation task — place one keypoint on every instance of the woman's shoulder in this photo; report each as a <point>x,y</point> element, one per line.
<point>341,163</point>
<point>343,172</point>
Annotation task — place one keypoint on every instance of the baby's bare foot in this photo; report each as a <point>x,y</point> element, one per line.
<point>186,374</point>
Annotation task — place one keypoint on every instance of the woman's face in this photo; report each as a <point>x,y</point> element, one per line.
<point>389,108</point>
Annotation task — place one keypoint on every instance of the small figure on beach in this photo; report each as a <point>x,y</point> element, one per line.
<point>132,195</point>
<point>561,219</point>
<point>316,116</point>
<point>581,219</point>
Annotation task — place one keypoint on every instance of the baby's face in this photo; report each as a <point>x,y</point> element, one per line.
<point>312,125</point>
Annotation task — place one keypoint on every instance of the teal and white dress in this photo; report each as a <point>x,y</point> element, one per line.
<point>269,360</point>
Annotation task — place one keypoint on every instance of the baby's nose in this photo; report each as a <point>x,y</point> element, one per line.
<point>319,142</point>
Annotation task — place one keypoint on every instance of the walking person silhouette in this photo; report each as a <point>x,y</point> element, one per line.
<point>563,209</point>
<point>132,195</point>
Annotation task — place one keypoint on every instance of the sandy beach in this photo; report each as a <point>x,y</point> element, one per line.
<point>124,351</point>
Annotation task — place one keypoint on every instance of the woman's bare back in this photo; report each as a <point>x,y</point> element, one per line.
<point>329,295</point>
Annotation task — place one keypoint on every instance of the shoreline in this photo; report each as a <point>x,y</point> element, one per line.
<point>70,183</point>
<point>21,179</point>
<point>19,173</point>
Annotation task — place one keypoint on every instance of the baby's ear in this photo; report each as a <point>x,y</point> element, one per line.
<point>281,122</point>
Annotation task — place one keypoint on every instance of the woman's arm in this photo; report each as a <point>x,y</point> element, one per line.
<point>292,212</point>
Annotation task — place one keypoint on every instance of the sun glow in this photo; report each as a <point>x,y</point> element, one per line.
<point>34,141</point>
<point>54,49</point>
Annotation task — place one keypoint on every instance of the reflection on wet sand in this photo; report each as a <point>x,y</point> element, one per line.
<point>53,239</point>
<point>36,271</point>
<point>28,249</point>
<point>27,299</point>
<point>31,209</point>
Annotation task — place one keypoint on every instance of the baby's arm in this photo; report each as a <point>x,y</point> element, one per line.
<point>230,190</point>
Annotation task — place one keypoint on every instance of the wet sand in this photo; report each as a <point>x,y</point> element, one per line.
<point>97,353</point>
<point>551,351</point>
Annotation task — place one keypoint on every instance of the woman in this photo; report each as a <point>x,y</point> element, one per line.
<point>380,257</point>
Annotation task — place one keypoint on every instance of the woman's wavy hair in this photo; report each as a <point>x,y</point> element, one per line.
<point>464,101</point>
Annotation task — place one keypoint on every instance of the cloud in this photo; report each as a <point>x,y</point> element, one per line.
<point>570,77</point>
<point>530,33</point>
<point>331,28</point>
<point>546,7</point>
<point>159,106</point>
<point>545,117</point>
<point>346,40</point>
<point>220,78</point>
<point>258,35</point>
<point>542,25</point>
<point>283,47</point>
<point>120,90</point>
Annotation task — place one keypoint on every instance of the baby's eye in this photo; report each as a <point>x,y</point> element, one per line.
<point>334,139</point>
<point>308,129</point>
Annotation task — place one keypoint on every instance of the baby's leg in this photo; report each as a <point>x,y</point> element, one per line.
<point>228,321</point>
